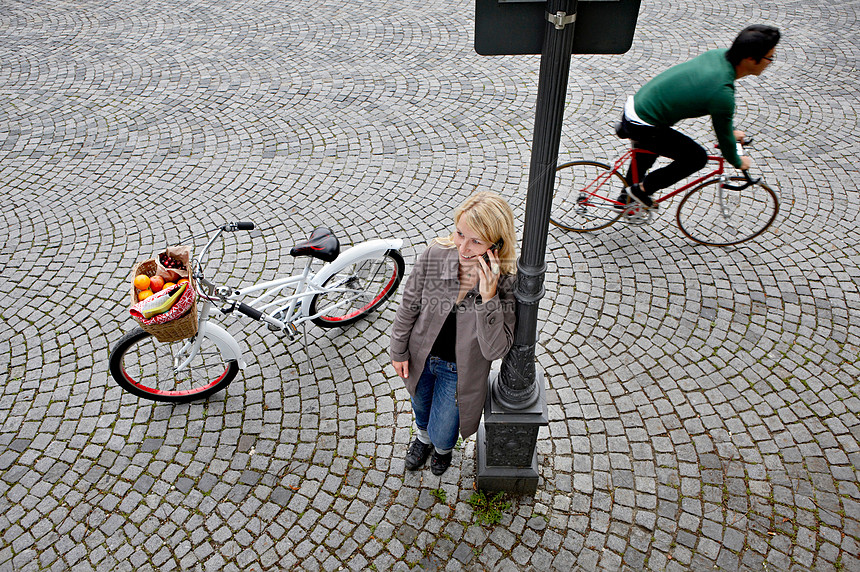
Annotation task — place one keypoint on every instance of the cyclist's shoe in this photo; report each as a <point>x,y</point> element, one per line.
<point>621,201</point>
<point>637,194</point>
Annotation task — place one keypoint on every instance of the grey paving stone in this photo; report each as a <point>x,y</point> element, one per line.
<point>703,401</point>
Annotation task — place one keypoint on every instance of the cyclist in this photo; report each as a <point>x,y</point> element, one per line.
<point>698,87</point>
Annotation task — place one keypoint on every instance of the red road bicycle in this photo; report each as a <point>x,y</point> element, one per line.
<point>719,210</point>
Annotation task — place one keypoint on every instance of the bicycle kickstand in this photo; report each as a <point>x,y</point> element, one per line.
<point>305,344</point>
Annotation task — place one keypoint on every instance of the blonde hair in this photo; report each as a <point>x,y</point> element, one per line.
<point>490,216</point>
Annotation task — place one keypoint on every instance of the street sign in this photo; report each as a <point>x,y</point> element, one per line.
<point>510,27</point>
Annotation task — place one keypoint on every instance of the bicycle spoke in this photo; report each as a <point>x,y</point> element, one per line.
<point>585,196</point>
<point>148,368</point>
<point>716,215</point>
<point>357,290</point>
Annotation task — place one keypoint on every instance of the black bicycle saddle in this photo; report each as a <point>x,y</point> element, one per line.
<point>322,244</point>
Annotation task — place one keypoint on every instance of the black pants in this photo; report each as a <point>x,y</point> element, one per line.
<point>688,156</point>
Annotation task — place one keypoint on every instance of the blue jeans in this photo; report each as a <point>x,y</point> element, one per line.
<point>435,402</point>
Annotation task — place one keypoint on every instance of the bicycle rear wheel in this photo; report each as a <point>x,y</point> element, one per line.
<point>584,196</point>
<point>143,366</point>
<point>359,289</point>
<point>718,216</point>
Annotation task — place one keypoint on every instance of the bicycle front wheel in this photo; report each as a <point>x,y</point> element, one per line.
<point>145,367</point>
<point>715,215</point>
<point>585,196</point>
<point>357,290</point>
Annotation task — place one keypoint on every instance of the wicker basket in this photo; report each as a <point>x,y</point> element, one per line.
<point>182,327</point>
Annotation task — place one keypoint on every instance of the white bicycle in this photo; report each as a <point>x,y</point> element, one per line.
<point>348,287</point>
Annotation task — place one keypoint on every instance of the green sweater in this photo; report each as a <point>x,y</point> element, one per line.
<point>701,86</point>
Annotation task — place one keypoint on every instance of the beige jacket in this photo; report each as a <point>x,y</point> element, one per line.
<point>485,328</point>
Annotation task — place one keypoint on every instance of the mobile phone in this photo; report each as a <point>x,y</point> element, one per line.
<point>495,247</point>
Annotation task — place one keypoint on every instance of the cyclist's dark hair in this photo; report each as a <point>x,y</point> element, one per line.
<point>753,42</point>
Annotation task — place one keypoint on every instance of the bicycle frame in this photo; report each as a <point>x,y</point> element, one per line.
<point>631,154</point>
<point>282,303</point>
<point>274,298</point>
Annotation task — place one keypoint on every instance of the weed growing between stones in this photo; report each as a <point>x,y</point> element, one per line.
<point>488,510</point>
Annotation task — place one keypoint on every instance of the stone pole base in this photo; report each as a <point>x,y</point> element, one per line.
<point>507,443</point>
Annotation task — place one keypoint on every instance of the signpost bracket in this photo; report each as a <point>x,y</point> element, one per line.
<point>560,19</point>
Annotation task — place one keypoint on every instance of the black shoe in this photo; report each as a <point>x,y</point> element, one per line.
<point>637,194</point>
<point>417,455</point>
<point>621,202</point>
<point>440,463</point>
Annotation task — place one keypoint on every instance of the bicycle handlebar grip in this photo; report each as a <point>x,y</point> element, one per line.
<point>245,225</point>
<point>249,311</point>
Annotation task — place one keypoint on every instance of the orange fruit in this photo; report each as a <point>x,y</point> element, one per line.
<point>167,285</point>
<point>141,282</point>
<point>156,283</point>
<point>182,281</point>
<point>144,294</point>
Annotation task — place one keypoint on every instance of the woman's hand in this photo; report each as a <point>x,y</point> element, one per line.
<point>488,275</point>
<point>401,368</point>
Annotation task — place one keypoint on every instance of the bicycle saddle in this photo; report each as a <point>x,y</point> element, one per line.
<point>322,244</point>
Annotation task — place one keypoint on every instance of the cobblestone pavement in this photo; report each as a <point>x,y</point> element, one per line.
<point>703,402</point>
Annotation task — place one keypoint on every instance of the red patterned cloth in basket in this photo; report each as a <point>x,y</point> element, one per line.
<point>179,308</point>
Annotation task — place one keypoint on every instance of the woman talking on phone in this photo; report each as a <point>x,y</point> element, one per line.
<point>456,317</point>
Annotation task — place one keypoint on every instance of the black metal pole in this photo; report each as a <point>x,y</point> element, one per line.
<point>516,406</point>
<point>516,386</point>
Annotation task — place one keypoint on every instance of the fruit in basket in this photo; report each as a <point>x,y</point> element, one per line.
<point>141,282</point>
<point>169,262</point>
<point>143,295</point>
<point>182,281</point>
<point>156,283</point>
<point>167,285</point>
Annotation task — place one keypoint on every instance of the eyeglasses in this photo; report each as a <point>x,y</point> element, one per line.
<point>767,58</point>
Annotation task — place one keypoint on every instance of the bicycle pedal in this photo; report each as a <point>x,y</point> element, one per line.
<point>637,215</point>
